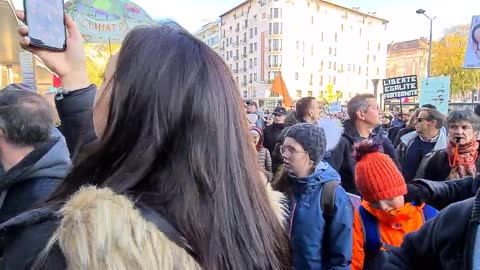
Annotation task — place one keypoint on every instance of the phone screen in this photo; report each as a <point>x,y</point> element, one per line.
<point>45,20</point>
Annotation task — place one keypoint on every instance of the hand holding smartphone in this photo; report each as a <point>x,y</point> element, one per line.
<point>46,24</point>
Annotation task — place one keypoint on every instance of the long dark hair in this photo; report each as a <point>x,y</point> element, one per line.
<point>175,140</point>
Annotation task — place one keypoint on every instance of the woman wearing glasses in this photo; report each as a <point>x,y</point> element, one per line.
<point>321,218</point>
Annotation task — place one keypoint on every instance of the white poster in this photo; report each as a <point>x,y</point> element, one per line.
<point>472,55</point>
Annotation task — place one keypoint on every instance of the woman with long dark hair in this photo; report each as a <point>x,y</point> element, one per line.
<point>170,180</point>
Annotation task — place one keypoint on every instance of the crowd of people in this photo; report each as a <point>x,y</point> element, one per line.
<point>161,168</point>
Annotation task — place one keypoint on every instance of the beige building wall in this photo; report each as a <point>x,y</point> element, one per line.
<point>313,43</point>
<point>210,34</point>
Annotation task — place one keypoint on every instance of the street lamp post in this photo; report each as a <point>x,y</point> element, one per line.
<point>429,63</point>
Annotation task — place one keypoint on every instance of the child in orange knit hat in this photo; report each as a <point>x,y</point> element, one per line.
<point>383,218</point>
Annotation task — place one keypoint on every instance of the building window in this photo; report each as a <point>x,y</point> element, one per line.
<point>238,27</point>
<point>335,66</point>
<point>311,19</point>
<point>359,70</point>
<point>303,46</point>
<point>296,76</point>
<point>244,64</point>
<point>335,52</point>
<point>275,13</point>
<point>374,58</point>
<point>341,28</point>
<point>255,48</point>
<point>330,50</point>
<point>322,36</point>
<point>379,46</point>
<point>275,28</point>
<point>336,37</point>
<point>321,65</point>
<point>378,71</point>
<point>310,93</point>
<point>251,32</point>
<point>251,47</point>
<point>310,82</point>
<point>245,94</point>
<point>255,31</point>
<point>246,23</point>
<point>311,50</point>
<point>250,63</point>
<point>329,64</point>
<point>298,45</point>
<point>321,80</point>
<point>366,84</point>
<point>255,61</point>
<point>349,67</point>
<point>255,76</point>
<point>341,68</point>
<point>299,93</point>
<point>360,31</point>
<point>236,67</point>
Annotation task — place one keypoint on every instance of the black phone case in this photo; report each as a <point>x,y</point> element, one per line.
<point>38,43</point>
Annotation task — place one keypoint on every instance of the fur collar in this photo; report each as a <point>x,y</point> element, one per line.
<point>103,230</point>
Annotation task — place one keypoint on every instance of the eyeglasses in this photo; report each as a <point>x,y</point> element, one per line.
<point>289,150</point>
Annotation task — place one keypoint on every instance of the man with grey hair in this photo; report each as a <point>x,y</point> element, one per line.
<point>460,158</point>
<point>33,161</point>
<point>429,135</point>
<point>364,114</point>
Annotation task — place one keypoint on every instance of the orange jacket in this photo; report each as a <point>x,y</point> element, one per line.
<point>392,227</point>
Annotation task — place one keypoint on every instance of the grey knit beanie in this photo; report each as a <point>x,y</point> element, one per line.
<point>311,137</point>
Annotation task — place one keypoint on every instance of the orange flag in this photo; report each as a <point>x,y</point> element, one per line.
<point>280,88</point>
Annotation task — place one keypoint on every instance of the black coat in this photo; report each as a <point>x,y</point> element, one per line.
<point>347,170</point>
<point>271,134</point>
<point>75,111</point>
<point>442,243</point>
<point>34,178</point>
<point>435,166</point>
<point>442,194</point>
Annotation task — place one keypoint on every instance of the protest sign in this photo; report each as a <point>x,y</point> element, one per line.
<point>436,91</point>
<point>400,87</point>
<point>472,55</point>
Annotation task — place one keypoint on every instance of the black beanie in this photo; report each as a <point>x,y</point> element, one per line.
<point>311,137</point>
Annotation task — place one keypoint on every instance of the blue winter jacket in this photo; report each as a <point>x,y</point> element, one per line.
<point>316,244</point>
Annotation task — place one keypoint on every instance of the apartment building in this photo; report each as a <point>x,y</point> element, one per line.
<point>210,34</point>
<point>407,58</point>
<point>314,43</point>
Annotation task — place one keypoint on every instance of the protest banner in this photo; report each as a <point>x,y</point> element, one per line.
<point>400,87</point>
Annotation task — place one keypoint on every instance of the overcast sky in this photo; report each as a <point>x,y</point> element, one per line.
<point>404,22</point>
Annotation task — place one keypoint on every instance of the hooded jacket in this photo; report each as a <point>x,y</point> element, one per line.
<point>348,170</point>
<point>391,226</point>
<point>444,243</point>
<point>316,242</point>
<point>98,229</point>
<point>35,177</point>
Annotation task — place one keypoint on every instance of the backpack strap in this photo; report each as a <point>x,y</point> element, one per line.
<point>429,212</point>
<point>327,199</point>
<point>371,233</point>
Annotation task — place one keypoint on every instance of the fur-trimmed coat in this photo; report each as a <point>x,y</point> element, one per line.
<point>98,229</point>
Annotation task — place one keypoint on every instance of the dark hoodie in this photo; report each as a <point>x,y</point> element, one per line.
<point>347,171</point>
<point>35,177</point>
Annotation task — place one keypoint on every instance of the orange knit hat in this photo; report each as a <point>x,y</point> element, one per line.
<point>376,175</point>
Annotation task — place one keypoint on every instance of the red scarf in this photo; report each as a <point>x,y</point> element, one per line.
<point>462,159</point>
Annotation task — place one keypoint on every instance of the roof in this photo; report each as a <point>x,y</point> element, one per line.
<point>408,45</point>
<point>322,1</point>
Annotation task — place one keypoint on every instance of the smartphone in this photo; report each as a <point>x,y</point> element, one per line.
<point>46,24</point>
